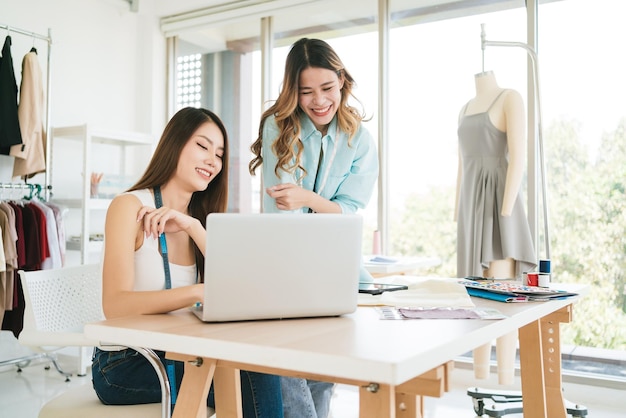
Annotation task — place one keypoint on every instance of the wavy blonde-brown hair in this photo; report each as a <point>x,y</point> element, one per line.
<point>305,53</point>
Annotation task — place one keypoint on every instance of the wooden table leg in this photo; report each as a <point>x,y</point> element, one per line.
<point>409,397</point>
<point>540,365</point>
<point>408,406</point>
<point>228,393</point>
<point>377,401</point>
<point>551,343</point>
<point>194,390</point>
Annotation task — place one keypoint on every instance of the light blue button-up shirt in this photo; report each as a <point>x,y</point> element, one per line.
<point>347,173</point>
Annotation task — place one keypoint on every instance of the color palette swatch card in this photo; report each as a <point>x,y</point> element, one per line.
<point>511,291</point>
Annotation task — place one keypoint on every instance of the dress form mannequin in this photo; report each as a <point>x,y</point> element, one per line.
<point>508,115</point>
<point>505,111</point>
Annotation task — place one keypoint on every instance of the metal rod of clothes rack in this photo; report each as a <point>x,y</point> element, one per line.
<point>48,39</point>
<point>33,189</point>
<point>535,66</point>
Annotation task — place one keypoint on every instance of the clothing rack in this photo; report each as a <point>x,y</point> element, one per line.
<point>535,66</point>
<point>25,360</point>
<point>34,190</point>
<point>48,38</point>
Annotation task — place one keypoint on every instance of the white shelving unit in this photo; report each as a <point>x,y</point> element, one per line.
<point>121,156</point>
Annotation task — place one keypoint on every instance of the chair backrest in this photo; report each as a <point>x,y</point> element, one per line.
<point>58,302</point>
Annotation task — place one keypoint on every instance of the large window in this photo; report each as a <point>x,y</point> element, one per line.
<point>432,68</point>
<point>189,81</point>
<point>584,92</point>
<point>583,102</point>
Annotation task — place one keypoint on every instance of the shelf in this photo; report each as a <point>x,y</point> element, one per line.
<point>68,203</point>
<point>128,150</point>
<point>94,204</point>
<point>99,204</point>
<point>100,136</point>
<point>92,247</point>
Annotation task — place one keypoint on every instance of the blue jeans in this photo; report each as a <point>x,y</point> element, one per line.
<point>303,398</point>
<point>125,378</point>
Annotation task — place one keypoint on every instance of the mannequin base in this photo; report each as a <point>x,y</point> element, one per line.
<point>498,403</point>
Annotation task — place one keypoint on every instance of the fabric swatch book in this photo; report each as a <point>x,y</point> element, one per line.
<point>511,291</point>
<point>392,312</point>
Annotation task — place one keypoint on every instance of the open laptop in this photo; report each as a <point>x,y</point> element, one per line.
<point>270,266</point>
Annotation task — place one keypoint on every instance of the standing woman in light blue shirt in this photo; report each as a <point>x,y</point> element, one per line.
<point>316,156</point>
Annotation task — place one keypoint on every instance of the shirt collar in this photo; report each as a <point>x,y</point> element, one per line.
<point>307,128</point>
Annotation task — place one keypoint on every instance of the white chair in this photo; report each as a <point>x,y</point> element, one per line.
<point>82,402</point>
<point>58,303</point>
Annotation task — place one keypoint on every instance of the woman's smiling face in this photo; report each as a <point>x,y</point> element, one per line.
<point>201,157</point>
<point>319,95</point>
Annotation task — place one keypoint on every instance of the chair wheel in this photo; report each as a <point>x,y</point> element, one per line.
<point>479,406</point>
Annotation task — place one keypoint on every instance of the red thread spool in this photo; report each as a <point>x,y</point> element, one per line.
<point>533,278</point>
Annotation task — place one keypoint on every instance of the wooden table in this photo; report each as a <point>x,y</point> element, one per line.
<point>393,362</point>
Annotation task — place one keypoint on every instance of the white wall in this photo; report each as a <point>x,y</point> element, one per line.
<point>108,63</point>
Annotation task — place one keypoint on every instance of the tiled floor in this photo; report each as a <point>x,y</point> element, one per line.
<point>22,394</point>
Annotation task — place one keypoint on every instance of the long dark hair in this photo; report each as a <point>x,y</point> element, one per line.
<point>162,166</point>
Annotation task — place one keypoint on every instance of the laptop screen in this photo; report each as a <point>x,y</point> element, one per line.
<point>261,266</point>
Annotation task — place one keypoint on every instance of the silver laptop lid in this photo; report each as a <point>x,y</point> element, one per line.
<point>263,266</point>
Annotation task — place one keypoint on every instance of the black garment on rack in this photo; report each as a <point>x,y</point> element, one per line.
<point>10,133</point>
<point>13,320</point>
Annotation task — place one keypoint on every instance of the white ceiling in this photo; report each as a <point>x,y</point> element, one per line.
<point>169,7</point>
<point>215,25</point>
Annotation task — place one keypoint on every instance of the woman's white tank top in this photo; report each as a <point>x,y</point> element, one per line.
<point>149,270</point>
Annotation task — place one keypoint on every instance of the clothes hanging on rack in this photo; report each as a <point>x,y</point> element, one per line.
<point>4,263</point>
<point>10,291</point>
<point>10,133</point>
<point>30,156</point>
<point>9,242</point>
<point>30,241</point>
<point>8,94</point>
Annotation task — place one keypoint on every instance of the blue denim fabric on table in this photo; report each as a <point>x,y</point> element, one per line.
<point>125,377</point>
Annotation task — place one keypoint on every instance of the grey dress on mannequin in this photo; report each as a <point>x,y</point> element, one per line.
<point>483,234</point>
